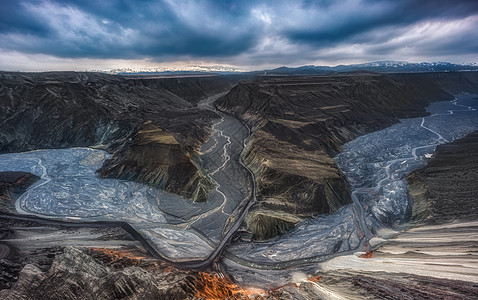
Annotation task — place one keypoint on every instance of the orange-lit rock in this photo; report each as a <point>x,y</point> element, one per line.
<point>314,278</point>
<point>212,286</point>
<point>367,254</point>
<point>116,256</point>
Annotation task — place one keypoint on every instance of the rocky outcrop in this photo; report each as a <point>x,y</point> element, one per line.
<point>76,275</point>
<point>154,156</point>
<point>352,284</point>
<point>50,261</point>
<point>446,188</point>
<point>67,109</point>
<point>94,263</point>
<point>291,187</point>
<point>13,184</point>
<point>299,123</point>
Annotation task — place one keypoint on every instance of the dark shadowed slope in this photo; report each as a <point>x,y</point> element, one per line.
<point>447,188</point>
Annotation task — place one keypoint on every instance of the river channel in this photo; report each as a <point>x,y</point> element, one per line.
<point>375,165</point>
<point>181,230</point>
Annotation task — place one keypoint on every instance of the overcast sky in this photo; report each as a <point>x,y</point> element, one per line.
<point>104,34</point>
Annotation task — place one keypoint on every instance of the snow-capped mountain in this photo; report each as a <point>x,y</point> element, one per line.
<point>174,69</point>
<point>379,66</point>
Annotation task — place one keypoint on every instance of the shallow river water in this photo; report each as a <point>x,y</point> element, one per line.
<point>178,228</point>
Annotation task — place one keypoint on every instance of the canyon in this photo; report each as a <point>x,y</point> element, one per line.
<point>197,139</point>
<point>299,123</point>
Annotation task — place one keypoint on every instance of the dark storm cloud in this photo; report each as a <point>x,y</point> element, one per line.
<point>125,29</point>
<point>14,19</point>
<point>243,32</point>
<point>355,20</point>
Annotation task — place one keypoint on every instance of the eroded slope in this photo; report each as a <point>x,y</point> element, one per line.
<point>445,189</point>
<point>300,122</point>
<point>68,109</point>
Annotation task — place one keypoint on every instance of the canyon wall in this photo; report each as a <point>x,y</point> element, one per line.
<point>116,113</point>
<point>299,123</point>
<point>445,190</point>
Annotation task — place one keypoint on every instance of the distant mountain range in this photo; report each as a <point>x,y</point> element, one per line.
<point>378,66</point>
<point>190,70</point>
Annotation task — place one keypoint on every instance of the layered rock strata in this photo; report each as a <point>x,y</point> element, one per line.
<point>74,274</point>
<point>445,189</point>
<point>350,284</point>
<point>299,123</point>
<point>13,184</point>
<point>68,109</point>
<point>436,256</point>
<point>155,156</point>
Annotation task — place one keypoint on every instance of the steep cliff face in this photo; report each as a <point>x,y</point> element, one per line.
<point>67,109</point>
<point>74,274</point>
<point>64,109</point>
<point>445,189</point>
<point>292,184</point>
<point>452,82</point>
<point>13,184</point>
<point>156,157</point>
<point>299,123</point>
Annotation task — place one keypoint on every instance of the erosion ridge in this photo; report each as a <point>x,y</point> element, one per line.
<point>13,184</point>
<point>300,122</point>
<point>68,109</point>
<point>155,156</point>
<point>37,268</point>
<point>445,189</point>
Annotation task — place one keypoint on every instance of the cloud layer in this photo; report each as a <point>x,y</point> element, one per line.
<point>243,33</point>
